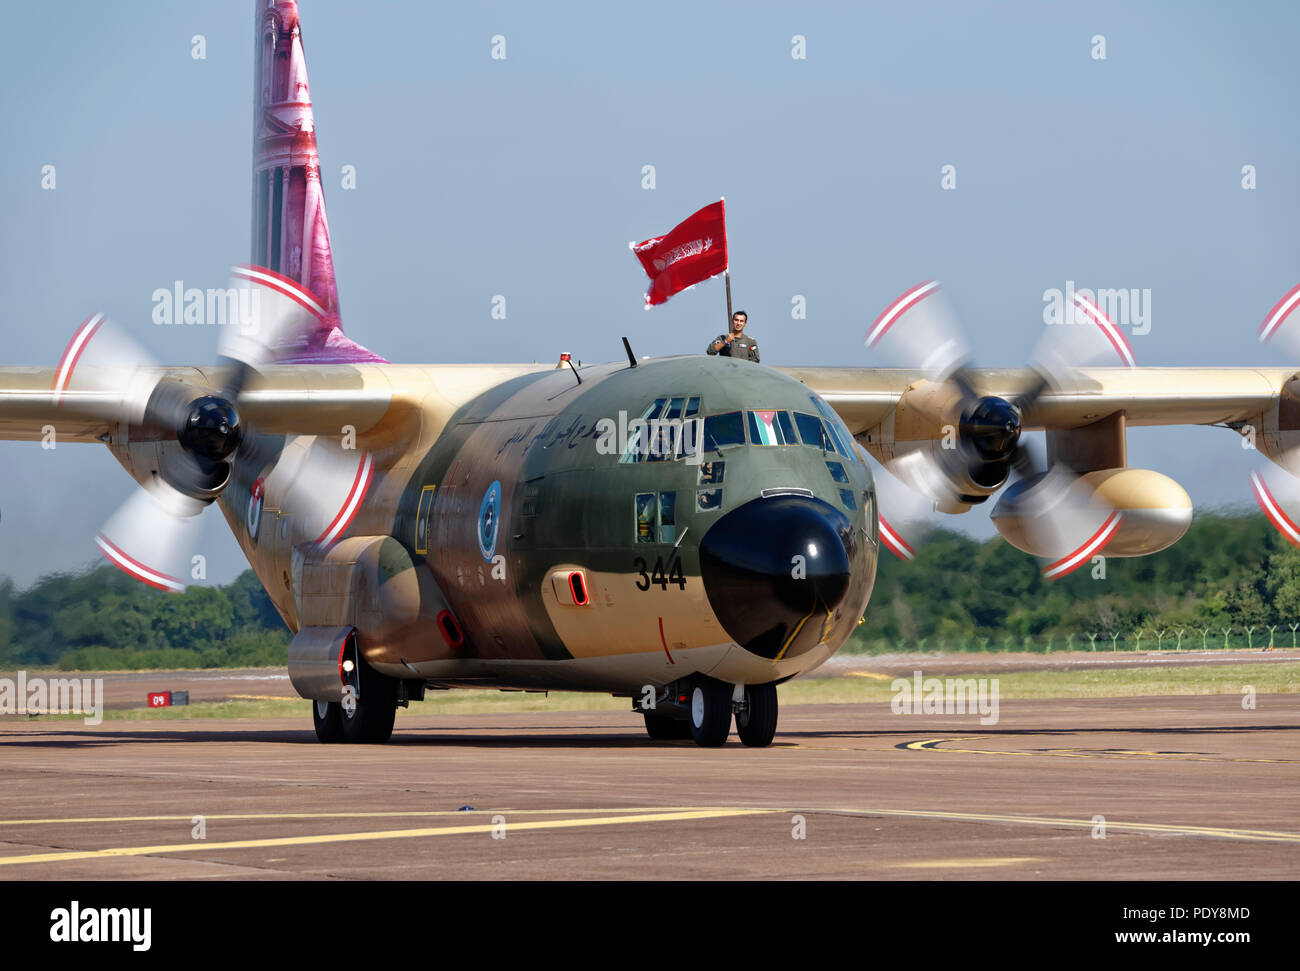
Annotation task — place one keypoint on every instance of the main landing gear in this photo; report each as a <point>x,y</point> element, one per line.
<point>708,705</point>
<point>368,709</point>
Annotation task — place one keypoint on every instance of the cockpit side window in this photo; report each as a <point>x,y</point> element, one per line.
<point>639,437</point>
<point>722,430</point>
<point>839,432</point>
<point>667,429</point>
<point>813,432</point>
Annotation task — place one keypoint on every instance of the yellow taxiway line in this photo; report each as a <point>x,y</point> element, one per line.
<point>623,816</point>
<point>967,863</point>
<point>933,745</point>
<point>204,845</point>
<point>378,814</point>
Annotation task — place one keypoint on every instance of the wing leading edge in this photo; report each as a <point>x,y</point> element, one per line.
<point>866,397</point>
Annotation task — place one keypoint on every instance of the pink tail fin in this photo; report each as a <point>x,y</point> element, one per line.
<point>291,235</point>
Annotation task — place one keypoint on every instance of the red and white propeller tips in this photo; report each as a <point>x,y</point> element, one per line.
<point>1271,326</point>
<point>1085,337</point>
<point>330,482</point>
<point>276,317</point>
<point>153,536</point>
<point>108,369</point>
<point>1275,486</point>
<point>919,329</point>
<point>904,514</point>
<point>1278,495</point>
<point>1058,517</point>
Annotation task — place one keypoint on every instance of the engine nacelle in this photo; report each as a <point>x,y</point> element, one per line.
<point>1156,512</point>
<point>1276,431</point>
<point>369,585</point>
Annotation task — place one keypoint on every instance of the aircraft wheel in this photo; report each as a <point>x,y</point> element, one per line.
<point>661,728</point>
<point>756,721</point>
<point>367,718</point>
<point>328,718</point>
<point>710,712</point>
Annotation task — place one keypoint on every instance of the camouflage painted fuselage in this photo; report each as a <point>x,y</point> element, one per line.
<point>486,511</point>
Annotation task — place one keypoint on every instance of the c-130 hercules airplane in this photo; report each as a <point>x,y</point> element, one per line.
<point>444,526</point>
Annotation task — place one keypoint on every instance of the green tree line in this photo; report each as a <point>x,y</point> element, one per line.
<point>1228,571</point>
<point>102,619</point>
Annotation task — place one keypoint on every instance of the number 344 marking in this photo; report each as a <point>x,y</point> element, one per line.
<point>658,575</point>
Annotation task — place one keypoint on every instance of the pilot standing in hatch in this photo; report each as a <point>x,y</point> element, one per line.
<point>735,343</point>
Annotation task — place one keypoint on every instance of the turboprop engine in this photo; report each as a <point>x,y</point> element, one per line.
<point>1155,511</point>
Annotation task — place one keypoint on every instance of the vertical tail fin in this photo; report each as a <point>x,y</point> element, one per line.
<point>291,236</point>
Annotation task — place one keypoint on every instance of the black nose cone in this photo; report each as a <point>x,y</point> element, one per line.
<point>776,570</point>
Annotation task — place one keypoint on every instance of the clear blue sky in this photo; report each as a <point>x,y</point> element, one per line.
<point>523,177</point>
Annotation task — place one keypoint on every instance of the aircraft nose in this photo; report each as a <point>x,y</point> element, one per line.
<point>775,570</point>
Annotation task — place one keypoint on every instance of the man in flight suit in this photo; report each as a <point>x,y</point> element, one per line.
<point>736,344</point>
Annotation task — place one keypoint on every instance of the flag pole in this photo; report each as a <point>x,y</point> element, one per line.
<point>727,274</point>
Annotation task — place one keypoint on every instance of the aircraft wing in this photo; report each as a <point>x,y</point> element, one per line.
<point>865,397</point>
<point>282,399</point>
<point>288,399</point>
<point>319,399</point>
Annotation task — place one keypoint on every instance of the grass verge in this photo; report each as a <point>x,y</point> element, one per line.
<point>862,688</point>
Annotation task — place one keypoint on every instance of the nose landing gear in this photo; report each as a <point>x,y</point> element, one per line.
<point>756,715</point>
<point>710,712</point>
<point>708,706</point>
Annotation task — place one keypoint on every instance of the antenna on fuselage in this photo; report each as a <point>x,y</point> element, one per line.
<point>631,358</point>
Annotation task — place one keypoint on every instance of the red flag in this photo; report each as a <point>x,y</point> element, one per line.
<point>695,250</point>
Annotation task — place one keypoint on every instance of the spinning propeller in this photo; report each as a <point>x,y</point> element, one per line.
<point>187,441</point>
<point>1276,487</point>
<point>1048,510</point>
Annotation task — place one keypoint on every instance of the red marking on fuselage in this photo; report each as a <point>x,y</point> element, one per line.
<point>664,641</point>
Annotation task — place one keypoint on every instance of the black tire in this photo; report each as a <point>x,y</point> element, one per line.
<point>756,721</point>
<point>370,718</point>
<point>328,718</point>
<point>710,712</point>
<point>662,728</point>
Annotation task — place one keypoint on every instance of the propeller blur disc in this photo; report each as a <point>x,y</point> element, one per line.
<point>153,535</point>
<point>101,358</point>
<point>1058,517</point>
<point>276,320</point>
<point>919,329</point>
<point>1086,338</point>
<point>329,484</point>
<point>903,512</point>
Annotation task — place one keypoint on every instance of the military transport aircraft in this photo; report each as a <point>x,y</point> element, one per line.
<point>686,532</point>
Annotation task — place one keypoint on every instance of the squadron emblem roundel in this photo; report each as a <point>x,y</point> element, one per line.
<point>489,521</point>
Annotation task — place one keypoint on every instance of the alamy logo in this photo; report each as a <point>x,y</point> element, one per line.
<point>75,924</point>
<point>947,696</point>
<point>643,439</point>
<point>53,696</point>
<point>231,306</point>
<point>1125,308</point>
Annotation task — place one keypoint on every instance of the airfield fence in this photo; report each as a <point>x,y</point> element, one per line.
<point>1145,639</point>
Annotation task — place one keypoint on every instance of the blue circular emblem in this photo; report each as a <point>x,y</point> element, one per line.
<point>489,521</point>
